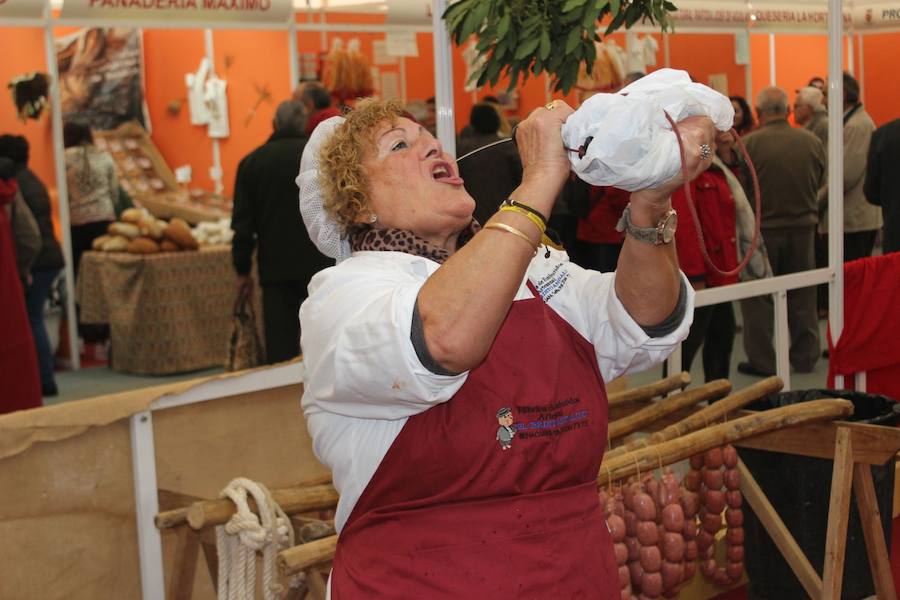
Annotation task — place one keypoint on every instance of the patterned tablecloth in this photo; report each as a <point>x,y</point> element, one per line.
<point>168,313</point>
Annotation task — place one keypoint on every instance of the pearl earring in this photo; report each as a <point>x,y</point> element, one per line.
<point>373,217</point>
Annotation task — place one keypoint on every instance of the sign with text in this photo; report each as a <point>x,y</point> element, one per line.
<point>710,14</point>
<point>877,16</point>
<point>251,12</point>
<point>22,9</point>
<point>775,15</point>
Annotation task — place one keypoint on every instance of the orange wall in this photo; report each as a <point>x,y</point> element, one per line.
<point>259,58</point>
<point>23,51</point>
<point>881,92</point>
<point>255,59</point>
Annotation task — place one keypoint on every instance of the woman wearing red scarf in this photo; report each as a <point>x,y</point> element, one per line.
<point>18,363</point>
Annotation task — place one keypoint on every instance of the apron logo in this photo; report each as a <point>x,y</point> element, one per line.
<point>505,433</point>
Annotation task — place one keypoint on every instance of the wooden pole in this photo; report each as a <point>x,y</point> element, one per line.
<point>704,417</point>
<point>302,557</point>
<point>779,533</point>
<point>293,500</point>
<point>171,518</point>
<point>647,392</point>
<point>876,547</point>
<point>666,453</point>
<point>666,406</point>
<point>838,515</point>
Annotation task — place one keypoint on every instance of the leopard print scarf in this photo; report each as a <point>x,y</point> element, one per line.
<point>400,240</point>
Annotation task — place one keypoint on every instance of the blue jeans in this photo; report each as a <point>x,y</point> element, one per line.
<point>35,298</point>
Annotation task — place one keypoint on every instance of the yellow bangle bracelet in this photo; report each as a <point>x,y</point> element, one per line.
<point>512,230</point>
<point>531,216</point>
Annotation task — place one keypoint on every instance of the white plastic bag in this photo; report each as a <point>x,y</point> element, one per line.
<point>633,145</point>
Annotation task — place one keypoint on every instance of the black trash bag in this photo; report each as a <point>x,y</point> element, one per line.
<point>799,488</point>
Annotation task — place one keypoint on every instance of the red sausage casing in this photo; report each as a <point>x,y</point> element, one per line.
<point>651,559</point>
<point>673,547</point>
<point>647,533</point>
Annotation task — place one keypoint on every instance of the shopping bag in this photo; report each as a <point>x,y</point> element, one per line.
<point>244,346</point>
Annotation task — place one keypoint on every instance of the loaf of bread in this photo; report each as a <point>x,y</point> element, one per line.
<point>128,230</point>
<point>143,245</point>
<point>116,243</point>
<point>98,242</point>
<point>132,215</point>
<point>151,227</point>
<point>179,232</point>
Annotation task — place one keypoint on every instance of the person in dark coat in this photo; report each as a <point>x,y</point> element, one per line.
<point>267,216</point>
<point>491,175</point>
<point>882,187</point>
<point>49,261</point>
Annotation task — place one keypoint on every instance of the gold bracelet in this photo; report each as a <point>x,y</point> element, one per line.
<point>512,230</point>
<point>531,216</point>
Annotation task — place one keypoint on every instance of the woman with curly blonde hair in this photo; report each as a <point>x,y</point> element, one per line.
<point>454,371</point>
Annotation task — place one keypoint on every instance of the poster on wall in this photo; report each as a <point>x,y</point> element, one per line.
<point>100,76</point>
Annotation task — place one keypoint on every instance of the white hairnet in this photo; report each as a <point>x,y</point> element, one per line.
<point>324,231</point>
<point>634,146</point>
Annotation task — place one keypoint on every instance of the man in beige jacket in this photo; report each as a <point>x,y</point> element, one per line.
<point>861,219</point>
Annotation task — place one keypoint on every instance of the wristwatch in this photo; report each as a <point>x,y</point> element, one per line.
<point>663,233</point>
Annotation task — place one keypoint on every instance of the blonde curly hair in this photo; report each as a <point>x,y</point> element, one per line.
<point>343,180</point>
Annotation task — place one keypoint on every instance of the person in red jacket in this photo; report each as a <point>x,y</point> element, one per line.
<point>714,326</point>
<point>18,359</point>
<point>598,243</point>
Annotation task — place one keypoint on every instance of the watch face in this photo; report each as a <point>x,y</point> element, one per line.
<point>669,227</point>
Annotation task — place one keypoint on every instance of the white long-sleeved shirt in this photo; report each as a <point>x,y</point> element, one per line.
<point>363,377</point>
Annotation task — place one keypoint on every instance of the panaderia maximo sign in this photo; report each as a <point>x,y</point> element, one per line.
<point>190,11</point>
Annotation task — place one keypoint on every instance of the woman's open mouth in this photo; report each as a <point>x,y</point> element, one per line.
<point>441,172</point>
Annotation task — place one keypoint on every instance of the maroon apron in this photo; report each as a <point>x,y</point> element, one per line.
<point>462,507</point>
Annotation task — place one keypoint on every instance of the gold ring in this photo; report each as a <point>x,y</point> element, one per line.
<point>550,105</point>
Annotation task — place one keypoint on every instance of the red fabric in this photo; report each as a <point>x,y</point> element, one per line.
<point>871,338</point>
<point>18,358</point>
<point>8,189</point>
<point>607,205</point>
<point>319,116</point>
<point>715,207</point>
<point>450,513</point>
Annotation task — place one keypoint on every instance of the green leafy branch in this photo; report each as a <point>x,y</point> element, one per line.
<point>518,38</point>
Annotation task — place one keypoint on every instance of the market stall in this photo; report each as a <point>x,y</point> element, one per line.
<point>168,313</point>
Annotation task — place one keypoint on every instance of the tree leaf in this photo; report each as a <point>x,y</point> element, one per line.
<point>475,19</point>
<point>527,49</point>
<point>503,26</point>
<point>632,14</point>
<point>572,5</point>
<point>573,39</point>
<point>545,45</point>
<point>615,6</point>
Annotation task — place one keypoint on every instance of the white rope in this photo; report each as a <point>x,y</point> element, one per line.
<point>244,535</point>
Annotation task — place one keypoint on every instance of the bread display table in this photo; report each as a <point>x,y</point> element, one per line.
<point>168,313</point>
